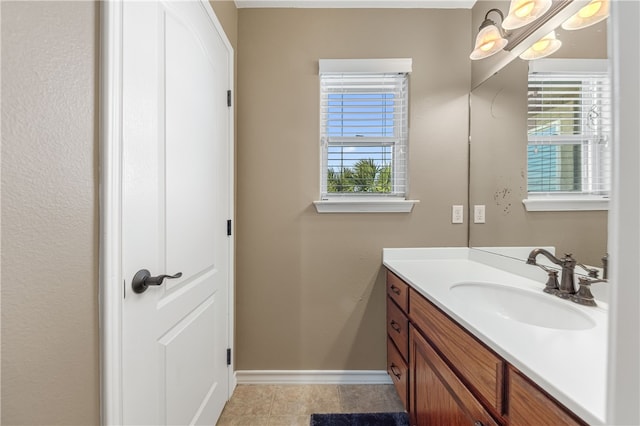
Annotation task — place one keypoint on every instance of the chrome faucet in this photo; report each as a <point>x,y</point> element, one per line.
<point>568,264</point>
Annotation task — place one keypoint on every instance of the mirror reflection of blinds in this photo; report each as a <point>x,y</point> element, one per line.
<point>364,132</point>
<point>569,133</point>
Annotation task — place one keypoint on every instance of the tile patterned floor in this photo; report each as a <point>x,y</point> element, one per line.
<point>292,405</point>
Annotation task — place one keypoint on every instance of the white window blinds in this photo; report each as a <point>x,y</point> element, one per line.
<point>569,128</point>
<point>364,133</point>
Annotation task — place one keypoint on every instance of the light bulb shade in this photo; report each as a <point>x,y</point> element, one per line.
<point>488,42</point>
<point>523,12</point>
<point>592,13</point>
<point>542,48</point>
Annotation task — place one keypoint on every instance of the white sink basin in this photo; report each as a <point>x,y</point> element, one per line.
<point>525,306</point>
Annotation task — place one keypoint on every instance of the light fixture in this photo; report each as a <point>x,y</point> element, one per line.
<point>592,13</point>
<point>523,12</point>
<point>542,48</point>
<point>490,39</point>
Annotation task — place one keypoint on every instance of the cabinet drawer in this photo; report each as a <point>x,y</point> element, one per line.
<point>398,328</point>
<point>398,290</point>
<point>528,405</point>
<point>475,363</point>
<point>399,372</point>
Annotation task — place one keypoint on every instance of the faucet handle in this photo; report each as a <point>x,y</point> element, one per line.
<point>552,285</point>
<point>584,295</point>
<point>593,273</point>
<point>568,260</point>
<point>605,266</point>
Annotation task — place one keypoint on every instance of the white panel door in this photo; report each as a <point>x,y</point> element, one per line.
<point>176,203</point>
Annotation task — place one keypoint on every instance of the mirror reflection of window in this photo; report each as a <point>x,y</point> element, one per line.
<point>568,128</point>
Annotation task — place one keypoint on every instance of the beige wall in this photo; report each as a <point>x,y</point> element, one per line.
<point>227,14</point>
<point>50,358</point>
<point>310,287</point>
<point>498,159</point>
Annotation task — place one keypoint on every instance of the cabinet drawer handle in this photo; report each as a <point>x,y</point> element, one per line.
<point>395,326</point>
<point>395,371</point>
<point>395,289</point>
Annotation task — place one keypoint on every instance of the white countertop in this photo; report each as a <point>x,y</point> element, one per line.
<point>569,364</point>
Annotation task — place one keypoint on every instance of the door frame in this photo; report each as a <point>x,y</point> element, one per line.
<point>110,237</point>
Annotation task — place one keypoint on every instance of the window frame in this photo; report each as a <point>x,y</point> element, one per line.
<point>363,202</point>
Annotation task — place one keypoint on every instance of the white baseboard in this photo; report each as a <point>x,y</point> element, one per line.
<point>325,377</point>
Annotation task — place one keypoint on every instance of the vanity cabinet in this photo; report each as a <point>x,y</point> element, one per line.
<point>446,376</point>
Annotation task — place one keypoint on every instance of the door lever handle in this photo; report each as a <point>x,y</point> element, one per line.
<point>143,279</point>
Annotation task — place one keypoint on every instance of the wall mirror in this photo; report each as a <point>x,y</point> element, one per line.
<point>498,164</point>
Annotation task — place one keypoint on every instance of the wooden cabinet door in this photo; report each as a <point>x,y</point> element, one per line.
<point>437,396</point>
<point>529,406</point>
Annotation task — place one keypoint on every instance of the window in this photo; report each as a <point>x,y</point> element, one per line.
<point>364,129</point>
<point>569,132</point>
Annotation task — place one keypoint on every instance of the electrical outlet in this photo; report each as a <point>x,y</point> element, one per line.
<point>478,213</point>
<point>457,214</point>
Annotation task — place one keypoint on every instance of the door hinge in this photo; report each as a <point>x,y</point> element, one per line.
<point>228,98</point>
<point>228,356</point>
<point>229,227</point>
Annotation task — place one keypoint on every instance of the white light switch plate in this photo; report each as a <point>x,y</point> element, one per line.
<point>478,213</point>
<point>457,214</point>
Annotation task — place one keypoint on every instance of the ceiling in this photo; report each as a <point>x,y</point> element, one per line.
<point>396,4</point>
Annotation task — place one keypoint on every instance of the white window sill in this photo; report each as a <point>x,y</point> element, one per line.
<point>565,203</point>
<point>365,206</point>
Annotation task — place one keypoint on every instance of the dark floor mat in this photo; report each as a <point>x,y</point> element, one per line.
<point>360,419</point>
